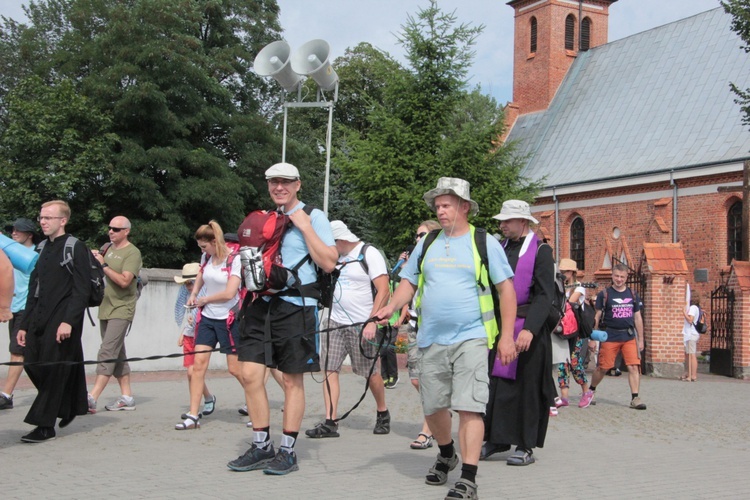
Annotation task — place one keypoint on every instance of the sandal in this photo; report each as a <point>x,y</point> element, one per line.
<point>521,457</point>
<point>209,406</point>
<point>685,378</point>
<point>190,422</point>
<point>435,476</point>
<point>463,489</point>
<point>323,430</point>
<point>418,444</point>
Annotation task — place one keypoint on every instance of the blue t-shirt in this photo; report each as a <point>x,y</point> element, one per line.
<point>20,291</point>
<point>450,311</point>
<point>618,316</point>
<point>294,249</point>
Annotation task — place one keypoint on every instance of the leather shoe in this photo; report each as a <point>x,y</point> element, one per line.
<point>39,435</point>
<point>489,449</point>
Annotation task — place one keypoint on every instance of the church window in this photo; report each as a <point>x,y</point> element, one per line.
<point>577,243</point>
<point>570,32</point>
<point>734,232</point>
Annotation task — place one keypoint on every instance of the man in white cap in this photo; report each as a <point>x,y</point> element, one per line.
<point>289,342</point>
<point>457,324</point>
<point>520,398</point>
<point>23,232</point>
<point>361,290</point>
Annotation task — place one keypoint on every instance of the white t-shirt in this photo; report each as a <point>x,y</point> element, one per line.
<point>688,328</point>
<point>352,299</point>
<point>215,279</point>
<point>579,289</point>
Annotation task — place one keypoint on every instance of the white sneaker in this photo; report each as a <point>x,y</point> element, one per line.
<point>122,403</point>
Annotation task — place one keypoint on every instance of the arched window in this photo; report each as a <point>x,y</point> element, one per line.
<point>578,243</point>
<point>586,34</point>
<point>570,32</point>
<point>532,47</point>
<point>734,232</point>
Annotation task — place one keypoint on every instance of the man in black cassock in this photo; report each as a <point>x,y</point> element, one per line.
<point>52,326</point>
<point>518,409</point>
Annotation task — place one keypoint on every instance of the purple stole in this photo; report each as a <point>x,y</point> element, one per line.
<point>523,276</point>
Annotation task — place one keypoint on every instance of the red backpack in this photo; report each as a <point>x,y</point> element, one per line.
<point>260,237</point>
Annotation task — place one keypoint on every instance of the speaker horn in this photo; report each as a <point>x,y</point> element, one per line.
<point>273,60</point>
<point>312,60</point>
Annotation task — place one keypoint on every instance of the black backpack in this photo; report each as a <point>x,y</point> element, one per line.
<point>585,315</point>
<point>96,272</point>
<point>700,322</point>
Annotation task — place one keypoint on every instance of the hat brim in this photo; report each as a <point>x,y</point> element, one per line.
<point>429,198</point>
<point>290,177</point>
<point>182,279</point>
<point>502,217</point>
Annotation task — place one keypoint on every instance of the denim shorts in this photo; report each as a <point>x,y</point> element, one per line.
<point>215,331</point>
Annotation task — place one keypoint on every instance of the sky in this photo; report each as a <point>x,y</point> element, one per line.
<point>345,23</point>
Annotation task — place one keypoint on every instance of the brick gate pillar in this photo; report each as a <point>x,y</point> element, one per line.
<point>666,273</point>
<point>739,281</point>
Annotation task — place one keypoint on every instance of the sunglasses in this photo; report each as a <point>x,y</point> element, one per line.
<point>117,229</point>
<point>420,236</point>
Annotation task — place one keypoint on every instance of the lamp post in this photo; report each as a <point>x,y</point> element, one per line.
<point>311,59</point>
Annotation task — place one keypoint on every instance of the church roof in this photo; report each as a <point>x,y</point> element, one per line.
<point>654,101</point>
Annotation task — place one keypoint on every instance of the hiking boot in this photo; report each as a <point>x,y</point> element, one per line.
<point>122,403</point>
<point>383,424</point>
<point>209,406</point>
<point>6,403</point>
<point>637,404</point>
<point>39,435</point>
<point>253,459</point>
<point>391,382</point>
<point>323,430</point>
<point>92,404</point>
<point>283,463</point>
<point>586,399</point>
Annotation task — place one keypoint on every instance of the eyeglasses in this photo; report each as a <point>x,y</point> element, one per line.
<point>46,218</point>
<point>420,236</point>
<point>281,182</point>
<point>117,229</point>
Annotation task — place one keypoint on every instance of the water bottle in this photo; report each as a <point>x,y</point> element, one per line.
<point>23,258</point>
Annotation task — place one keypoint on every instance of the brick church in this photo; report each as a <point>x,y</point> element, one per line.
<point>640,146</point>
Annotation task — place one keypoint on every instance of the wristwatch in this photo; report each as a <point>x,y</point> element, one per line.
<point>105,265</point>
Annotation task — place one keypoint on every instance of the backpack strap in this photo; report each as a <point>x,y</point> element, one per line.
<point>428,239</point>
<point>69,253</point>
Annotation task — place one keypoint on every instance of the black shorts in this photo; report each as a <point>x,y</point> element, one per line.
<point>13,326</point>
<point>291,343</point>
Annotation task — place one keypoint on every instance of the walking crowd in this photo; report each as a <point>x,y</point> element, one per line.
<point>473,312</point>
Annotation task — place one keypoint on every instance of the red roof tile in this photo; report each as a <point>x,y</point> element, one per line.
<point>665,258</point>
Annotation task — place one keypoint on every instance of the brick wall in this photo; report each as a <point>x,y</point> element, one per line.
<point>702,234</point>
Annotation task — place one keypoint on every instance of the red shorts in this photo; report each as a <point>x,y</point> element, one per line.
<point>608,353</point>
<point>188,346</point>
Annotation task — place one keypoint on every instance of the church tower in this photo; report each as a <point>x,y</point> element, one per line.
<point>548,35</point>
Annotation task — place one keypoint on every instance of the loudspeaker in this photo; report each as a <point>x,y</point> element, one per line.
<point>312,59</point>
<point>273,61</point>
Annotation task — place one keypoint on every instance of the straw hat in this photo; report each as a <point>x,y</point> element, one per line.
<point>189,272</point>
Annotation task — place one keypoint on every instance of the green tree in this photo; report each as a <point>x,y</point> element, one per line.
<point>426,124</point>
<point>188,117</point>
<point>740,12</point>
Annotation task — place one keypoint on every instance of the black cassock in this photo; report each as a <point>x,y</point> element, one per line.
<point>56,296</point>
<point>518,410</point>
